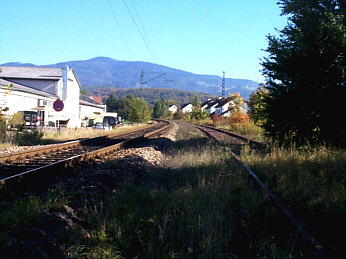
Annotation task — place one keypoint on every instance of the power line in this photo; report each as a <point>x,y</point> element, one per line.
<point>121,32</point>
<point>145,42</point>
<point>144,31</point>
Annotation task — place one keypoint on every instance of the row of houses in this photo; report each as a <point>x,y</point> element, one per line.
<point>54,93</point>
<point>221,107</point>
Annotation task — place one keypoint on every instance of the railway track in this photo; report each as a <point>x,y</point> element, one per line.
<point>25,168</point>
<point>234,139</point>
<point>231,138</point>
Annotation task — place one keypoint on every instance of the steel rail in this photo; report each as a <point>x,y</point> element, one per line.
<point>16,181</point>
<point>57,147</point>
<point>298,224</point>
<point>252,143</point>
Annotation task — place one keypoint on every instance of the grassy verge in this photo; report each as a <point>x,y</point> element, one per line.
<point>246,129</point>
<point>201,205</point>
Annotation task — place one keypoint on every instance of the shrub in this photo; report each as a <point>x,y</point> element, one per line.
<point>28,138</point>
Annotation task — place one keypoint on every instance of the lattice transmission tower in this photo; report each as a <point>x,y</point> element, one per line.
<point>223,84</point>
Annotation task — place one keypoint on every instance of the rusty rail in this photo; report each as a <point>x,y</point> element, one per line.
<point>26,178</point>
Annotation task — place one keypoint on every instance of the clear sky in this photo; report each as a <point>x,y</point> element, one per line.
<point>198,36</point>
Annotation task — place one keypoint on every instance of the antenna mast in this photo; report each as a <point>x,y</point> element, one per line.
<point>223,84</point>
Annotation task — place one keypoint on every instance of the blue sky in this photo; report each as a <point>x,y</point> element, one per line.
<point>198,36</point>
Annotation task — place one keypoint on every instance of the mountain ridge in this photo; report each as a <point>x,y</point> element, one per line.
<point>105,71</point>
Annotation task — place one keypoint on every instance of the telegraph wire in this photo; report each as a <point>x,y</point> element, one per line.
<point>140,32</point>
<point>144,31</point>
<point>121,32</point>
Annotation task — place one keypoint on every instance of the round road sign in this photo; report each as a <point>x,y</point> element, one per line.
<point>58,105</point>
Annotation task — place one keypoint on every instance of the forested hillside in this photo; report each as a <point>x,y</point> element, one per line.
<point>151,94</point>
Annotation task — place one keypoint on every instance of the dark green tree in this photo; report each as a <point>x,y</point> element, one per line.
<point>305,73</point>
<point>160,109</point>
<point>196,103</point>
<point>113,103</point>
<point>122,106</point>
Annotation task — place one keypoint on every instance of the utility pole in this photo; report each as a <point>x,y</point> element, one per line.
<point>142,83</point>
<point>141,79</point>
<point>223,84</point>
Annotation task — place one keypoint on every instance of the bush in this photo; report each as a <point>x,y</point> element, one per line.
<point>237,117</point>
<point>28,138</point>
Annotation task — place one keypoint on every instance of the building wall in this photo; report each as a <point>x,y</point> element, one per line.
<point>20,101</point>
<point>70,97</point>
<point>173,108</point>
<point>212,109</point>
<point>89,111</point>
<point>187,108</point>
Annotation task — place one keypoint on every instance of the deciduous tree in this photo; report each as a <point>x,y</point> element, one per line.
<point>140,111</point>
<point>257,105</point>
<point>160,109</point>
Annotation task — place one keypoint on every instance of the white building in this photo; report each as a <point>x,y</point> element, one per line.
<point>210,106</point>
<point>187,108</point>
<point>173,108</point>
<point>221,106</point>
<point>37,88</point>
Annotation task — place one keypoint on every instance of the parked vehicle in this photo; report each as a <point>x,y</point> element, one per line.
<point>30,119</point>
<point>110,120</point>
<point>102,126</point>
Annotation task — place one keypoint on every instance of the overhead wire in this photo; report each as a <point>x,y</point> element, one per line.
<point>140,32</point>
<point>119,27</point>
<point>144,31</point>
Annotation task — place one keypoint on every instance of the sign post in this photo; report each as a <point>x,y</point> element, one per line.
<point>58,105</point>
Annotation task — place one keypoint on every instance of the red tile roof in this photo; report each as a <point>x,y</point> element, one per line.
<point>97,99</point>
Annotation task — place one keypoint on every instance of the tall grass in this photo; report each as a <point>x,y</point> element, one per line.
<point>246,128</point>
<point>311,181</point>
<point>313,177</point>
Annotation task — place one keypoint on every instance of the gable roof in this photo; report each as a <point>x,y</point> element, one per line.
<point>211,104</point>
<point>184,105</point>
<point>31,72</point>
<point>206,102</point>
<point>25,89</point>
<point>222,102</point>
<point>85,100</point>
<point>97,99</point>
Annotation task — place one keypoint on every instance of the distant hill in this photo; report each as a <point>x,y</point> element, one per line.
<point>103,71</point>
<point>151,94</point>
